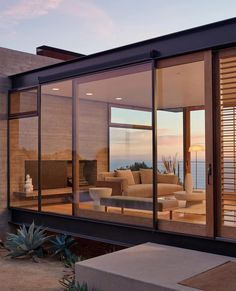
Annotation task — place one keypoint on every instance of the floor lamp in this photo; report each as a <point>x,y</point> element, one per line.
<point>196,148</point>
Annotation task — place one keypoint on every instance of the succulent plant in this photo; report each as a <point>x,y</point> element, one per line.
<point>27,242</point>
<point>61,246</point>
<point>70,260</point>
<point>69,283</point>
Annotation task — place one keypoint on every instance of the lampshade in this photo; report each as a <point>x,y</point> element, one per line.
<point>196,148</point>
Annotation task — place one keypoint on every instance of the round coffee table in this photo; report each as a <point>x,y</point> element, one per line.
<point>97,193</point>
<point>195,197</point>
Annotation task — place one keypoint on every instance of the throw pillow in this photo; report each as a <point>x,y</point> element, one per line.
<point>126,174</point>
<point>123,181</point>
<point>137,178</point>
<point>146,176</point>
<point>102,175</point>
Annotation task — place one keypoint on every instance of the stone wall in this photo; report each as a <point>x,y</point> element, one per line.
<point>11,62</point>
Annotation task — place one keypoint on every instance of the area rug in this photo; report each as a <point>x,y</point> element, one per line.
<point>220,278</point>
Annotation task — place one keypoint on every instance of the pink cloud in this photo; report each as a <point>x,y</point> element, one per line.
<point>92,17</point>
<point>168,140</point>
<point>25,9</point>
<point>29,9</point>
<point>95,19</point>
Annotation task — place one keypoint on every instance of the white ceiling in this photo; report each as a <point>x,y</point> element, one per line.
<point>177,86</point>
<point>181,85</point>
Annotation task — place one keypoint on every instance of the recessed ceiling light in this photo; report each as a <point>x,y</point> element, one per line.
<point>118,98</point>
<point>55,89</point>
<point>89,94</point>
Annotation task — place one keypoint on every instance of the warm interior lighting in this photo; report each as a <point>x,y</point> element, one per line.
<point>196,148</point>
<point>55,89</point>
<point>118,98</point>
<point>89,94</point>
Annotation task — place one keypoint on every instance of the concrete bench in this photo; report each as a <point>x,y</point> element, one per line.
<point>139,203</point>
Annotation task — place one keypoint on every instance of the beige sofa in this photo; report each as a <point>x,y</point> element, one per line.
<point>138,183</point>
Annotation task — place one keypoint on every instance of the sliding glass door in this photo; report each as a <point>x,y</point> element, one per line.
<point>112,131</point>
<point>184,144</point>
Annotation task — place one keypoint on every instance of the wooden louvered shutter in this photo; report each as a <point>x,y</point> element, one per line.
<point>227,73</point>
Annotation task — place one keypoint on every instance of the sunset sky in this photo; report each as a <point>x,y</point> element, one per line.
<point>89,26</point>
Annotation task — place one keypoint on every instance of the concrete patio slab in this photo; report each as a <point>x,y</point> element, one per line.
<point>146,267</point>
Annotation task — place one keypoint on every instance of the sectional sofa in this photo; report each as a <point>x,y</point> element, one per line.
<point>138,183</point>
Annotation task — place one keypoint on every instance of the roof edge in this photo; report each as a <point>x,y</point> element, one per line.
<point>144,42</point>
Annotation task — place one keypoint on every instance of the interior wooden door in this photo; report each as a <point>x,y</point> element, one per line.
<point>226,117</point>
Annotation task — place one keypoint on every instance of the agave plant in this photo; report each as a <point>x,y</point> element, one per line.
<point>27,242</point>
<point>61,246</point>
<point>69,283</point>
<point>71,259</point>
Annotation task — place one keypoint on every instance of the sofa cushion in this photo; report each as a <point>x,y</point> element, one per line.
<point>126,174</point>
<point>146,176</point>
<point>103,175</point>
<point>139,190</point>
<point>145,190</point>
<point>123,181</point>
<point>168,189</point>
<point>167,179</point>
<point>137,177</point>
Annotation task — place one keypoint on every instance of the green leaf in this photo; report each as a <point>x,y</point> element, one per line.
<point>26,242</point>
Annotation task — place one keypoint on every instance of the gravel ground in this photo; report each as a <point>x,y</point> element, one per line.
<point>25,275</point>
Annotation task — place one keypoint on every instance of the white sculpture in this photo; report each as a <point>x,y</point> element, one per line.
<point>28,184</point>
<point>188,185</point>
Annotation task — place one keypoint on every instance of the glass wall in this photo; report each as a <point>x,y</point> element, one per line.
<point>128,129</point>
<point>23,102</point>
<point>93,150</point>
<point>23,150</point>
<point>170,143</point>
<point>181,143</point>
<point>113,146</point>
<point>197,134</point>
<point>56,147</point>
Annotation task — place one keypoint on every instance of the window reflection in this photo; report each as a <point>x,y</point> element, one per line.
<point>113,126</point>
<point>180,127</point>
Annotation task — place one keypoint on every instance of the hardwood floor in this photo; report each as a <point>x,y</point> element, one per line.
<point>134,217</point>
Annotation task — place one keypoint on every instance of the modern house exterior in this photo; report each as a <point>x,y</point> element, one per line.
<point>110,142</point>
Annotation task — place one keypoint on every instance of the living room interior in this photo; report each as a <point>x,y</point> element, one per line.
<point>96,128</point>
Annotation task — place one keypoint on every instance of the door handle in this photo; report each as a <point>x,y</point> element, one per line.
<point>209,173</point>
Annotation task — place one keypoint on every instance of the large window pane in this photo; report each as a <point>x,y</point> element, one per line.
<point>130,116</point>
<point>23,134</point>
<point>170,143</point>
<point>180,143</point>
<point>127,147</point>
<point>23,102</point>
<point>56,147</point>
<point>198,165</point>
<point>113,131</point>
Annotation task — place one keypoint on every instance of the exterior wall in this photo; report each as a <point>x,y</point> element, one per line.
<point>11,62</point>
